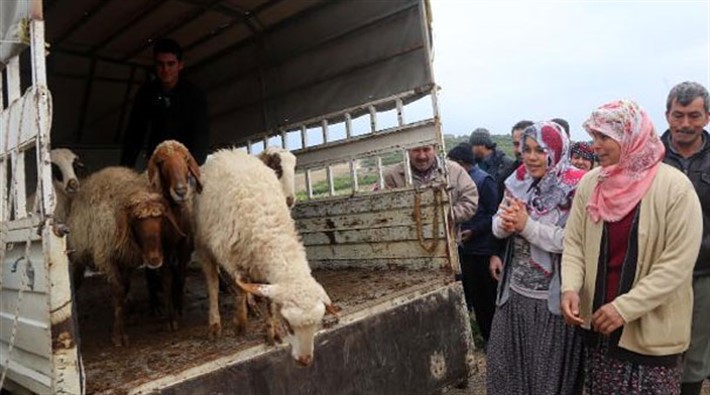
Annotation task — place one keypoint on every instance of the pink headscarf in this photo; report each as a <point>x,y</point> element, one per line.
<point>622,186</point>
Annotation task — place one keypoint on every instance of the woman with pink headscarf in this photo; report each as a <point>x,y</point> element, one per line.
<point>531,350</point>
<point>631,241</point>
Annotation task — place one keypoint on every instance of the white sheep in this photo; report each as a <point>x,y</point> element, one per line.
<point>65,164</point>
<point>283,162</point>
<point>243,227</point>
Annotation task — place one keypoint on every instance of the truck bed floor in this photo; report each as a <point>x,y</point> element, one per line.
<point>154,351</point>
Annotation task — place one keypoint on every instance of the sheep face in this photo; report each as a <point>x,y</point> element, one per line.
<point>171,169</point>
<point>65,165</point>
<point>142,221</point>
<point>283,163</point>
<point>301,307</point>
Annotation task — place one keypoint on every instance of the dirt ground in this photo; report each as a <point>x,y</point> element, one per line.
<point>154,351</point>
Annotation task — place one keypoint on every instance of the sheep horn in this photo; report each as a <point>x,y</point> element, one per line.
<point>256,289</point>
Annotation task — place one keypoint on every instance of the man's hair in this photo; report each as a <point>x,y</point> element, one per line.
<point>168,45</point>
<point>686,92</point>
<point>522,125</point>
<point>563,123</point>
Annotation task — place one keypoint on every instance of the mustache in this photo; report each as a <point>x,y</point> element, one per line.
<point>686,131</point>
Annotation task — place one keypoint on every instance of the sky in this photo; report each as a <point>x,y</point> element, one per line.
<point>498,62</point>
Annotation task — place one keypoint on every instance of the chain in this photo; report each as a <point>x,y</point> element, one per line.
<point>435,221</point>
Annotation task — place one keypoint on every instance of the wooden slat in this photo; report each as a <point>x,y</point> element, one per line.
<point>32,307</point>
<point>394,263</point>
<point>369,202</point>
<point>373,235</point>
<point>366,251</point>
<point>31,336</point>
<point>29,379</point>
<point>413,135</point>
<point>378,219</point>
<point>31,361</point>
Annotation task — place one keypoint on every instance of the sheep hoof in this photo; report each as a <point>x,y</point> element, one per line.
<point>215,331</point>
<point>120,340</point>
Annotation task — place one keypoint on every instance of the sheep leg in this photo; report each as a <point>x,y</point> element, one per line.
<point>119,292</point>
<point>168,284</point>
<point>212,278</point>
<point>273,335</point>
<point>154,283</point>
<point>184,254</point>
<point>241,320</point>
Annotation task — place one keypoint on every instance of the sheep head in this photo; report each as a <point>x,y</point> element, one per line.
<point>65,165</point>
<point>170,168</point>
<point>142,219</point>
<point>283,162</point>
<point>301,306</point>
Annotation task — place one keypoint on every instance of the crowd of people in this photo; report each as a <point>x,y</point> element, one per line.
<point>587,264</point>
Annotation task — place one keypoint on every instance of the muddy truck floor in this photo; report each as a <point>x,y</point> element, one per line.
<point>154,351</point>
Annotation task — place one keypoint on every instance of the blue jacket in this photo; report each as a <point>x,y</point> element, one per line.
<point>482,241</point>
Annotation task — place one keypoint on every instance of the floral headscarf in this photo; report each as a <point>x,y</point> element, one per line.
<point>622,186</point>
<point>549,199</point>
<point>583,150</point>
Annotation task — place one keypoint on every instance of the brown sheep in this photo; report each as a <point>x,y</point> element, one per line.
<point>118,223</point>
<point>172,171</point>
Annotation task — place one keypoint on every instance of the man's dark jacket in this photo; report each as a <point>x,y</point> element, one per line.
<point>698,170</point>
<point>179,114</point>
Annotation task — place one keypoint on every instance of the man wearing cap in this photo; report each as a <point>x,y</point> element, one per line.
<point>489,158</point>
<point>428,170</point>
<point>478,243</point>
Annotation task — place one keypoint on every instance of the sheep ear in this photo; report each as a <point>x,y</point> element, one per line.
<point>195,171</point>
<point>171,218</point>
<point>153,173</point>
<point>274,162</point>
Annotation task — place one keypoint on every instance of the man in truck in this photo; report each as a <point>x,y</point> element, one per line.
<point>165,108</point>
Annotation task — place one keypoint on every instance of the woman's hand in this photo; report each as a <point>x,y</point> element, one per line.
<point>607,319</point>
<point>570,308</point>
<point>514,216</point>
<point>495,266</point>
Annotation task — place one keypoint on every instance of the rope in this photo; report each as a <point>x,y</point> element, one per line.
<point>435,222</point>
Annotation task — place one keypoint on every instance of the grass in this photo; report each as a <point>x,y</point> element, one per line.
<point>342,185</point>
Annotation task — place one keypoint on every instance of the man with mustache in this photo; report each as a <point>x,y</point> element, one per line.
<point>427,169</point>
<point>688,149</point>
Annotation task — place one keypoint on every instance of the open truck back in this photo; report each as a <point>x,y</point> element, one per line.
<point>342,84</point>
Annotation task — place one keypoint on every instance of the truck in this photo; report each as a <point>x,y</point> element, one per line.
<point>340,83</point>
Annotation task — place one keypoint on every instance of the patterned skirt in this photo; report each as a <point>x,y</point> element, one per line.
<point>532,351</point>
<point>607,375</point>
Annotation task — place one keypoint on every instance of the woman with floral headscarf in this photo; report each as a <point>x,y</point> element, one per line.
<point>531,350</point>
<point>630,245</point>
<point>582,155</point>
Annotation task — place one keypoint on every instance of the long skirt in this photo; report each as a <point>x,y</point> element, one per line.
<point>532,351</point>
<point>608,375</point>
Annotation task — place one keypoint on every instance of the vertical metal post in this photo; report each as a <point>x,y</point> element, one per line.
<point>304,136</point>
<point>348,125</point>
<point>249,147</point>
<point>400,112</point>
<point>373,119</point>
<point>407,169</point>
<point>309,187</point>
<point>17,188</point>
<point>283,139</point>
<point>380,174</point>
<point>324,128</point>
<point>353,175</point>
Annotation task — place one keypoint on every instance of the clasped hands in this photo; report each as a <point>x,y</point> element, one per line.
<point>513,215</point>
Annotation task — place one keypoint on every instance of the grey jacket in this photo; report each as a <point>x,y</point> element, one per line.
<point>697,169</point>
<point>464,195</point>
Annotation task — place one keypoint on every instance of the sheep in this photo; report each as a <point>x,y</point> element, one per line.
<point>243,228</point>
<point>283,162</point>
<point>65,165</point>
<point>117,224</point>
<point>172,171</point>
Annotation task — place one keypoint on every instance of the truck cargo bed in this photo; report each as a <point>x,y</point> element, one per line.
<point>155,353</point>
